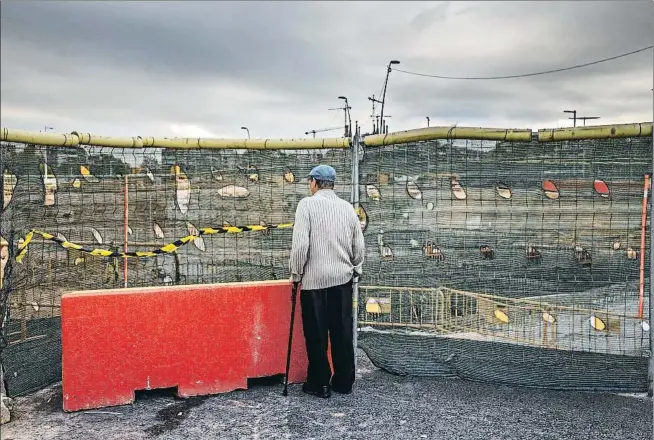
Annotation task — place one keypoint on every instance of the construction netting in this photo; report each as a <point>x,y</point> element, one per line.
<point>75,199</point>
<point>518,262</point>
<point>512,262</point>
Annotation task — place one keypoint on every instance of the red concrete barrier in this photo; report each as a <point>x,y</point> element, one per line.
<point>202,339</point>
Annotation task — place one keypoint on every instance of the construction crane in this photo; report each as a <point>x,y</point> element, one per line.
<point>320,130</point>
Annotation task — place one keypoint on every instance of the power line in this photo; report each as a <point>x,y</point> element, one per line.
<point>528,74</point>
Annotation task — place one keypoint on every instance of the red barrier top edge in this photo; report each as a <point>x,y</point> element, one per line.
<point>157,289</point>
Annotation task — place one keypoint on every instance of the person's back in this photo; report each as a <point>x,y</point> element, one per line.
<point>327,254</point>
<point>333,227</point>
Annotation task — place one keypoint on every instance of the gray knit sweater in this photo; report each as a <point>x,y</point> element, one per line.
<point>328,246</point>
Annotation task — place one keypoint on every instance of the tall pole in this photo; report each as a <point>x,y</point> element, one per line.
<point>45,154</point>
<point>427,121</point>
<point>574,116</point>
<point>125,229</point>
<point>347,117</point>
<point>355,284</point>
<point>388,72</point>
<point>372,115</point>
<point>246,129</point>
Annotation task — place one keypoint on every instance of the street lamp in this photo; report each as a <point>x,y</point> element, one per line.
<point>427,121</point>
<point>246,129</point>
<point>348,117</point>
<point>388,72</point>
<point>574,116</point>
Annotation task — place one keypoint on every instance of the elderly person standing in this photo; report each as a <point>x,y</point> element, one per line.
<point>327,253</point>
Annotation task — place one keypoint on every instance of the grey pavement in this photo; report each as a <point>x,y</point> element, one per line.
<point>383,406</point>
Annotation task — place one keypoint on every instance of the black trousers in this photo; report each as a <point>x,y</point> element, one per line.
<point>329,312</point>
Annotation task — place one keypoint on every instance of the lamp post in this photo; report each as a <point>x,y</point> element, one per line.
<point>348,118</point>
<point>388,72</point>
<point>427,121</point>
<point>574,116</point>
<point>246,129</point>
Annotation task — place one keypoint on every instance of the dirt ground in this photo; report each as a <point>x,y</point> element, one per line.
<point>382,406</point>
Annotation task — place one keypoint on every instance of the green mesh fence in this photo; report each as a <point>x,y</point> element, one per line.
<point>515,263</point>
<point>170,194</point>
<point>504,261</point>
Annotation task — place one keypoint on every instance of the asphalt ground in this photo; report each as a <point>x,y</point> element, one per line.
<point>382,406</point>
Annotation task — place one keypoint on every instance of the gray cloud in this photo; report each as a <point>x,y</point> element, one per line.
<point>173,68</point>
<point>431,16</point>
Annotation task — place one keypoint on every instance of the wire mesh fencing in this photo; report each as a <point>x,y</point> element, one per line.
<point>86,202</point>
<point>516,262</point>
<point>524,247</point>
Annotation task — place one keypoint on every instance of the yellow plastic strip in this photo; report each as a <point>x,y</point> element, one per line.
<point>167,249</point>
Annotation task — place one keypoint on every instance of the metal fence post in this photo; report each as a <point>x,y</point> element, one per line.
<point>355,203</point>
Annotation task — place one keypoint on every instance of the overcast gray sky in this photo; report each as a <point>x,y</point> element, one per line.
<point>207,68</point>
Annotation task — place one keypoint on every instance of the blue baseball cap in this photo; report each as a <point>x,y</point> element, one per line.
<point>323,172</point>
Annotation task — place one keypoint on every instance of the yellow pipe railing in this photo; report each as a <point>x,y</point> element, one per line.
<point>641,129</point>
<point>38,138</point>
<point>75,139</point>
<point>433,133</point>
<point>108,141</point>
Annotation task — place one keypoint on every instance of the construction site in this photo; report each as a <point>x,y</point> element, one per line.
<point>511,258</point>
<point>323,220</point>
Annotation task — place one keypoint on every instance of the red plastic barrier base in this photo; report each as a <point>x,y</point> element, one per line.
<point>202,339</point>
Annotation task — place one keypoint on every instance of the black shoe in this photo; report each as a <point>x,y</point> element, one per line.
<point>341,387</point>
<point>323,392</point>
<point>342,390</point>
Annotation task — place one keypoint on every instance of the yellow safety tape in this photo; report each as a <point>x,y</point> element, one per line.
<point>167,249</point>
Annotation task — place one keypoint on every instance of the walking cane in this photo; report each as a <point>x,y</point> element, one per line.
<point>290,337</point>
